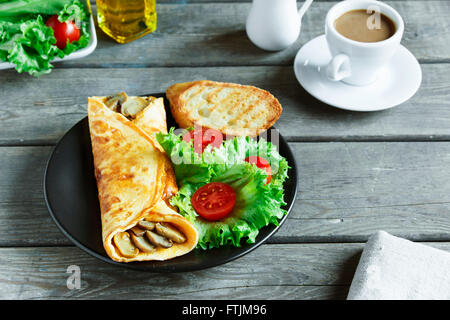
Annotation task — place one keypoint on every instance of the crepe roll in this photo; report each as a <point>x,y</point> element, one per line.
<point>135,179</point>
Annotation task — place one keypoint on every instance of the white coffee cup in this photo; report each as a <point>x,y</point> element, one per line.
<point>358,63</point>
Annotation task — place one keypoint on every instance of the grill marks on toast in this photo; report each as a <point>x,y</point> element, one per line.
<point>231,108</point>
<point>238,116</point>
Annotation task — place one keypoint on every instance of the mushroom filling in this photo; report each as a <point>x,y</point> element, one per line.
<point>128,106</point>
<point>146,237</point>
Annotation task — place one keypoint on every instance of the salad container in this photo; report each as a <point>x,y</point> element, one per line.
<point>74,55</point>
<point>83,52</point>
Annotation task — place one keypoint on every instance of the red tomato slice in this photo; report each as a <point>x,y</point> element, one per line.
<point>63,31</point>
<point>204,137</point>
<point>261,163</point>
<point>214,201</point>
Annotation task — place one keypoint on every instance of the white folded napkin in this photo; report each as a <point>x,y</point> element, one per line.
<point>393,268</point>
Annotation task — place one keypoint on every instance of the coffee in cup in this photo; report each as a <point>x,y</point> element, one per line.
<point>358,55</point>
<point>358,25</point>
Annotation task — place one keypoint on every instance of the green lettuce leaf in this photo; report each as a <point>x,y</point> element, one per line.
<point>257,203</point>
<point>28,43</point>
<point>75,11</point>
<point>22,10</point>
<point>30,47</point>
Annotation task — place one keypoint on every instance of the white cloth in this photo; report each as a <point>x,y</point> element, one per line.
<point>393,268</point>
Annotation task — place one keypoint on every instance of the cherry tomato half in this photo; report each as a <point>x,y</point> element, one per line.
<point>214,201</point>
<point>261,163</point>
<point>63,31</point>
<point>204,137</point>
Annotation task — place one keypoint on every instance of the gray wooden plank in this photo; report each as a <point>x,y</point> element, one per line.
<point>40,111</point>
<point>301,271</point>
<point>212,34</point>
<point>22,205</point>
<point>347,191</point>
<point>305,272</point>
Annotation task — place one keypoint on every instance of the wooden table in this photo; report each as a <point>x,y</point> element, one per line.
<point>358,172</point>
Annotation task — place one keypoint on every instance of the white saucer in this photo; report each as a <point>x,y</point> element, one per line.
<point>397,82</point>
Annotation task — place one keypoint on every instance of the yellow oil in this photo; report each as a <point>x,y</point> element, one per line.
<point>126,20</point>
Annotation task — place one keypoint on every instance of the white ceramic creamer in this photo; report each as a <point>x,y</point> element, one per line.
<point>275,24</point>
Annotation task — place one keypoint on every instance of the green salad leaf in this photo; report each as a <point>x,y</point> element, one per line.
<point>31,48</point>
<point>28,43</point>
<point>75,11</point>
<point>257,203</point>
<point>21,10</point>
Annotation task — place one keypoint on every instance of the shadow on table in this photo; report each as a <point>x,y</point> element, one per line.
<point>237,45</point>
<point>346,273</point>
<point>298,103</point>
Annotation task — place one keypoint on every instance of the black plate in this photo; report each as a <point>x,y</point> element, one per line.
<point>70,192</point>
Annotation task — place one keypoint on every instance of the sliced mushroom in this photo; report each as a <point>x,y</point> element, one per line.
<point>138,231</point>
<point>158,240</point>
<point>170,232</point>
<point>114,102</point>
<point>147,225</point>
<point>124,244</point>
<point>142,244</point>
<point>133,106</point>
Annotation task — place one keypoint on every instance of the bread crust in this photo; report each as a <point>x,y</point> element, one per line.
<point>176,94</point>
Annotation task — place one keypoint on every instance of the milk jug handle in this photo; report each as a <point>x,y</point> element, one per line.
<point>303,9</point>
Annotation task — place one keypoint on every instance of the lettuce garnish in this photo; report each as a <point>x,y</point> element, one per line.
<point>257,203</point>
<point>28,43</point>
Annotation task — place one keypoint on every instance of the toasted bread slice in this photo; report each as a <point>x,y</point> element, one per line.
<point>233,109</point>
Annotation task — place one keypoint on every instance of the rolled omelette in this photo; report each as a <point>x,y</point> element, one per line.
<point>135,181</point>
